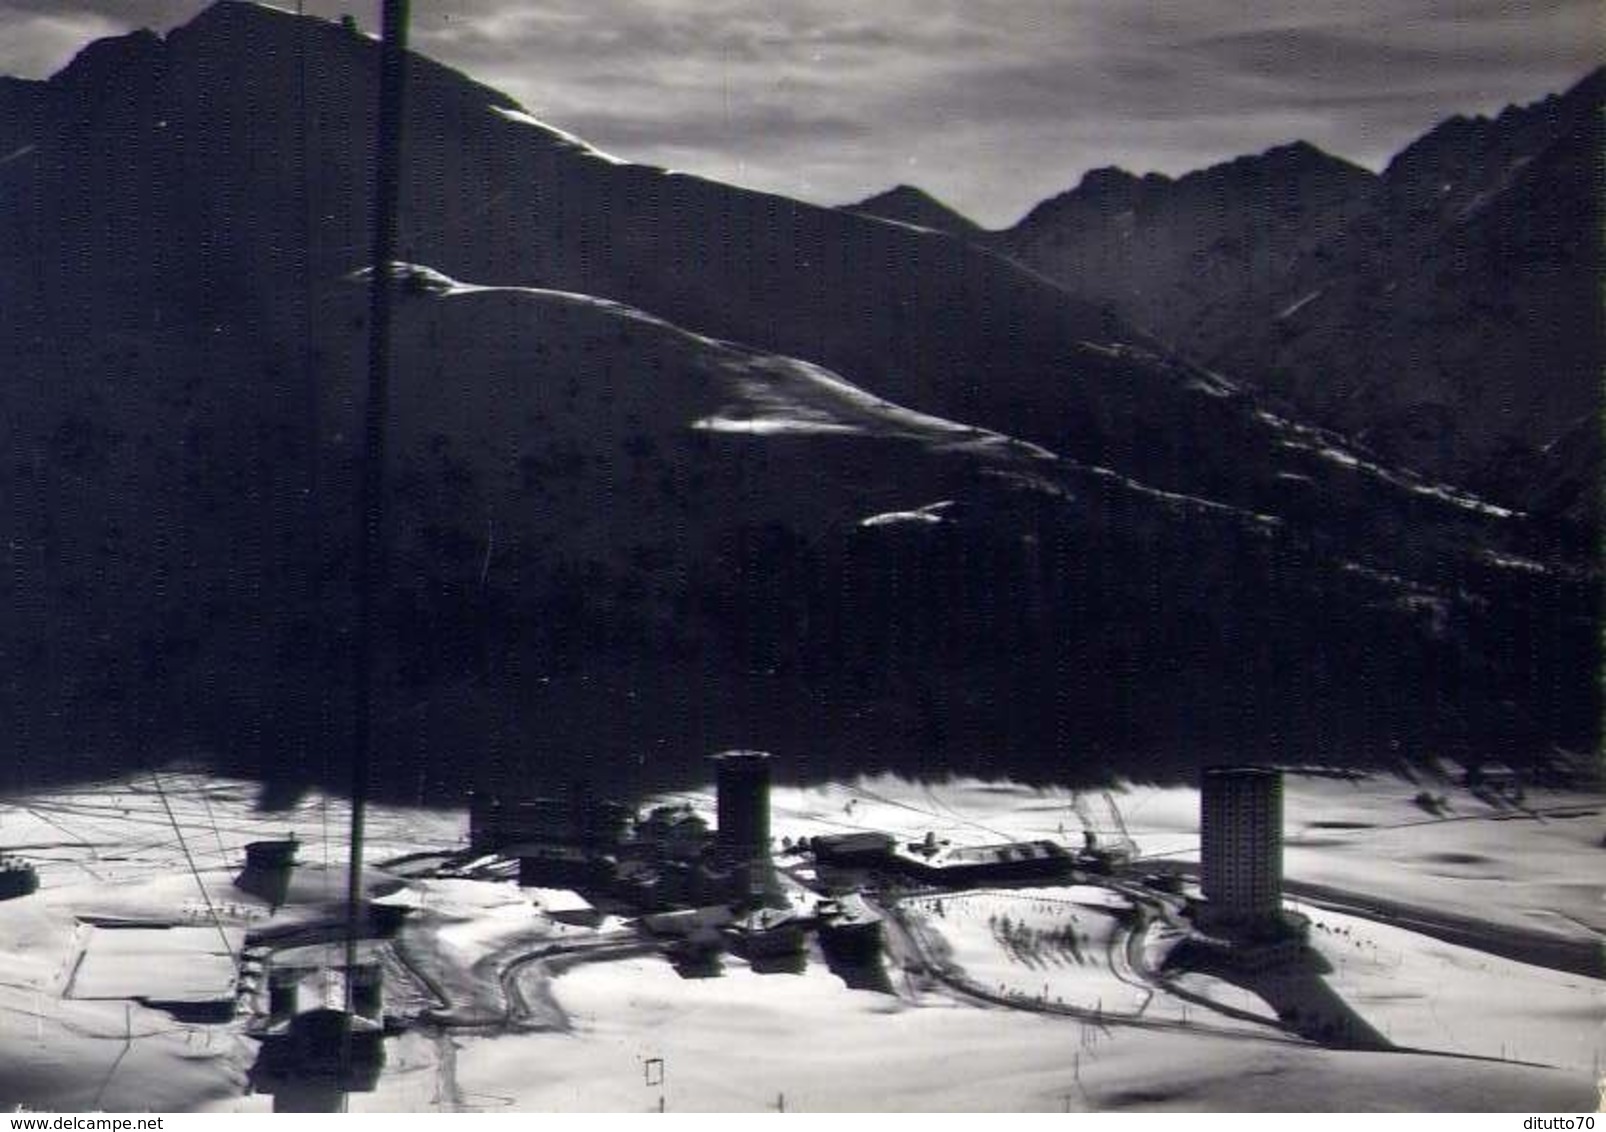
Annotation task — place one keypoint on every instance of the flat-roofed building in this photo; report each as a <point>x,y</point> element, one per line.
<point>566,906</point>
<point>542,865</point>
<point>860,848</point>
<point>942,862</point>
<point>578,818</point>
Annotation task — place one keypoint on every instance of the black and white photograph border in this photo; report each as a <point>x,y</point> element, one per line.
<point>699,555</point>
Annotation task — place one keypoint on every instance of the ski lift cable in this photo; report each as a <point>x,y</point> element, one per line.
<point>309,387</point>
<point>206,803</point>
<point>370,540</point>
<point>206,896</point>
<point>936,801</point>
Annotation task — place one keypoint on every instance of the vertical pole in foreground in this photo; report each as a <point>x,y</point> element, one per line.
<point>371,498</point>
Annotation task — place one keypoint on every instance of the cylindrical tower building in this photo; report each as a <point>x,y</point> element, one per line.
<point>743,782</point>
<point>1241,835</point>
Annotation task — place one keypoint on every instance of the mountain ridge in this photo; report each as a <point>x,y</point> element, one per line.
<point>1269,167</point>
<point>641,424</point>
<point>1303,276</point>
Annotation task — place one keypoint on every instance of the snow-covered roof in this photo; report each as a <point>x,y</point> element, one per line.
<point>157,964</point>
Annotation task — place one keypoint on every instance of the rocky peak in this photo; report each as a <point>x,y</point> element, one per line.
<point>1297,175</point>
<point>106,61</point>
<point>908,204</point>
<point>1102,192</point>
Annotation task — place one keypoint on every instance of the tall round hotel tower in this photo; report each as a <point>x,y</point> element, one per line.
<point>742,781</point>
<point>1242,845</point>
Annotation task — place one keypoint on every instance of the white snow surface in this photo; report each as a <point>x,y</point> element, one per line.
<point>167,964</point>
<point>596,1007</point>
<point>1515,562</point>
<point>929,515</point>
<point>1298,305</point>
<point>569,140</point>
<point>1325,445</point>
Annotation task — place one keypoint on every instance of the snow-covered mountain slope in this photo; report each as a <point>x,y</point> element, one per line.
<point>639,422</point>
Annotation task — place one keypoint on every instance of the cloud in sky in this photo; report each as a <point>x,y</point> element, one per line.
<point>990,104</point>
<point>35,43</point>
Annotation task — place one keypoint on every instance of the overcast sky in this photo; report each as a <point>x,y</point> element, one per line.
<point>991,105</point>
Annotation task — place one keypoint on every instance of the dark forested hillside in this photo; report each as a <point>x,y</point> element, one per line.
<point>674,466</point>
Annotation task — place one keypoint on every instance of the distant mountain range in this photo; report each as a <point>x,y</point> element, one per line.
<point>677,466</point>
<point>1445,314</point>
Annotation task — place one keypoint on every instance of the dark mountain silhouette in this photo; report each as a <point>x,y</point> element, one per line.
<point>674,466</point>
<point>909,205</point>
<point>1165,251</point>
<point>1444,313</point>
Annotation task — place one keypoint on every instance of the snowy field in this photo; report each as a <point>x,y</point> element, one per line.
<point>1536,865</point>
<point>995,998</point>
